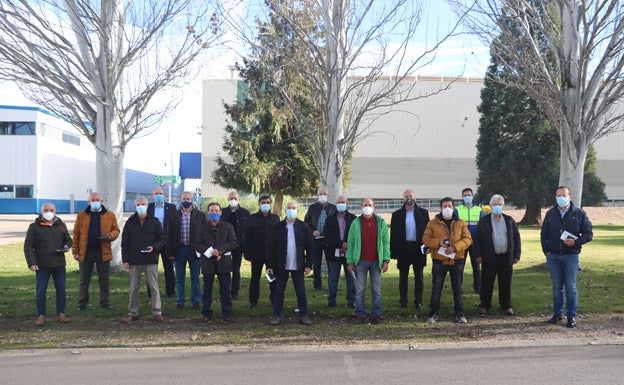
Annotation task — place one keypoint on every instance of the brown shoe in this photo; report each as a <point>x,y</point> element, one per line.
<point>130,318</point>
<point>482,311</point>
<point>62,318</point>
<point>40,320</point>
<point>509,311</point>
<point>196,306</point>
<point>158,318</point>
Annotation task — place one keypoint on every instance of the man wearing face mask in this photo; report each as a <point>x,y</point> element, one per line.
<point>368,253</point>
<point>290,254</point>
<point>496,245</point>
<point>448,238</point>
<point>215,243</point>
<point>162,211</point>
<point>45,245</point>
<point>257,243</point>
<point>564,230</point>
<point>141,239</point>
<point>315,218</point>
<point>406,230</point>
<point>94,230</point>
<point>471,214</point>
<point>180,240</point>
<point>237,216</point>
<point>336,231</point>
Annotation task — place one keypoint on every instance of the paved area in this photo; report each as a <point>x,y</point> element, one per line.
<point>13,227</point>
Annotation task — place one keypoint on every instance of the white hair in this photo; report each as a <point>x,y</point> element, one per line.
<point>140,199</point>
<point>496,198</point>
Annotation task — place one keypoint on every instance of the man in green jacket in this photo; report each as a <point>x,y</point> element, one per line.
<point>368,252</point>
<point>46,243</point>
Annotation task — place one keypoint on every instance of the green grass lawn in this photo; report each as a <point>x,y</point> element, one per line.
<point>599,286</point>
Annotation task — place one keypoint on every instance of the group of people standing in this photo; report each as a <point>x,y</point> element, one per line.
<point>360,246</point>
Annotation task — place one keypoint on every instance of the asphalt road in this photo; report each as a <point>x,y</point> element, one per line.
<point>552,365</point>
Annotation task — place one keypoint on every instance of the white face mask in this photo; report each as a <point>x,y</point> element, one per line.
<point>447,212</point>
<point>323,198</point>
<point>367,210</point>
<point>48,215</point>
<point>233,203</point>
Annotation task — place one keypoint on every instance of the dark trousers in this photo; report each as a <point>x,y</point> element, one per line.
<point>93,257</point>
<point>504,271</point>
<point>411,253</point>
<point>280,289</point>
<point>237,259</point>
<point>225,279</point>
<point>476,271</point>
<point>419,285</point>
<point>254,282</point>
<point>438,273</point>
<point>320,246</point>
<point>170,279</point>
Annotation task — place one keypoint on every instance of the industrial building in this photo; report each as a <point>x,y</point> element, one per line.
<point>428,145</point>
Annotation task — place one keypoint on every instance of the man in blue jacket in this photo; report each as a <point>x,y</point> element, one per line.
<point>564,230</point>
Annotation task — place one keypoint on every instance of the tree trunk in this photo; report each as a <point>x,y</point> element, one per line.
<point>573,167</point>
<point>278,204</point>
<point>532,215</point>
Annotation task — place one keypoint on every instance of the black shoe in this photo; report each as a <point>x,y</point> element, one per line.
<point>351,305</point>
<point>252,305</point>
<point>229,320</point>
<point>571,322</point>
<point>235,297</point>
<point>81,308</point>
<point>318,288</point>
<point>419,307</point>
<point>402,305</point>
<point>205,320</point>
<point>331,305</point>
<point>107,306</point>
<point>554,319</point>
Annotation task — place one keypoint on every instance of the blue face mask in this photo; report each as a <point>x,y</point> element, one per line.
<point>341,207</point>
<point>214,217</point>
<point>141,210</point>
<point>159,198</point>
<point>265,207</point>
<point>291,213</point>
<point>562,201</point>
<point>187,204</point>
<point>95,206</point>
<point>497,209</point>
<point>468,199</point>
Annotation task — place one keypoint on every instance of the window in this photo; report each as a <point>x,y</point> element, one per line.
<point>18,128</point>
<point>9,191</point>
<point>71,138</point>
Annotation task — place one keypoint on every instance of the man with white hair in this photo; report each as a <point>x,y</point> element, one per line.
<point>496,245</point>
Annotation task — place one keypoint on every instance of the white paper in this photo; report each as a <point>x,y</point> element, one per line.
<point>442,252</point>
<point>207,253</point>
<point>337,253</point>
<point>565,235</point>
<point>270,277</point>
<point>198,255</point>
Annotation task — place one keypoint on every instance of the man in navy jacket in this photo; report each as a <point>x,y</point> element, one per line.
<point>564,230</point>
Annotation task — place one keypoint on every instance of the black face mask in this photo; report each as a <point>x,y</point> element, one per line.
<point>187,204</point>
<point>409,202</point>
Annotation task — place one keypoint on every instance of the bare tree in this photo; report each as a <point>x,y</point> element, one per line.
<point>102,64</point>
<point>354,57</point>
<point>571,62</point>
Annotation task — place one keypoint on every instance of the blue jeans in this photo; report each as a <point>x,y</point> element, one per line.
<point>184,256</point>
<point>334,267</point>
<point>280,288</point>
<point>42,277</point>
<point>563,270</point>
<point>438,273</point>
<point>225,280</point>
<point>362,269</point>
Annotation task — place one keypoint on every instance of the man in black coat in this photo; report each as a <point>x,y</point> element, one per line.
<point>315,218</point>
<point>257,242</point>
<point>237,216</point>
<point>141,240</point>
<point>336,231</point>
<point>162,211</point>
<point>496,245</point>
<point>290,254</point>
<point>407,227</point>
